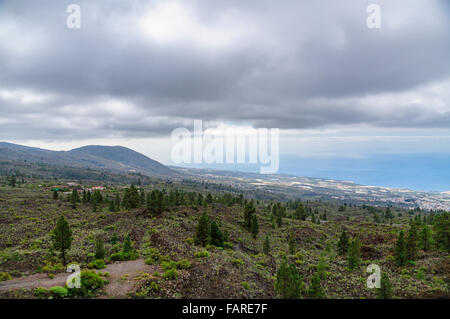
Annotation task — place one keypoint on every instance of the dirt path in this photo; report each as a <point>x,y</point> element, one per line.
<point>121,280</point>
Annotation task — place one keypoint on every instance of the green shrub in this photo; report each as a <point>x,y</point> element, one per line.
<point>420,275</point>
<point>202,254</point>
<point>167,265</point>
<point>90,282</point>
<point>237,262</point>
<point>59,292</point>
<point>170,274</point>
<point>123,256</point>
<point>149,261</point>
<point>4,276</point>
<point>97,264</point>
<point>184,264</point>
<point>245,285</point>
<point>41,292</point>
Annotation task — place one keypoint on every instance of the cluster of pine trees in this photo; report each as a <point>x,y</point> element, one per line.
<point>250,222</point>
<point>208,232</point>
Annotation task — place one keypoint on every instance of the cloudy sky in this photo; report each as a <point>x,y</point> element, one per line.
<point>340,92</point>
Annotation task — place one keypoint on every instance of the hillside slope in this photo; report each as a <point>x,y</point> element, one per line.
<point>94,156</point>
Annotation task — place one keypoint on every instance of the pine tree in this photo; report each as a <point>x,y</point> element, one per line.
<point>385,290</point>
<point>353,257</point>
<point>131,197</point>
<point>127,246</point>
<point>400,250</point>
<point>202,233</point>
<point>209,199</point>
<point>111,208</point>
<point>216,236</point>
<point>117,202</point>
<point>100,250</point>
<point>300,212</point>
<point>74,198</point>
<point>249,211</point>
<point>288,283</point>
<point>425,238</point>
<point>321,267</point>
<point>114,239</point>
<point>343,244</point>
<point>266,245</point>
<point>62,237</point>
<point>292,244</point>
<point>13,181</point>
<point>200,200</point>
<point>314,289</point>
<point>441,227</point>
<point>254,227</point>
<point>55,194</point>
<point>411,242</point>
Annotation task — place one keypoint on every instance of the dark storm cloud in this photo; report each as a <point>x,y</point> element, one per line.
<point>290,64</point>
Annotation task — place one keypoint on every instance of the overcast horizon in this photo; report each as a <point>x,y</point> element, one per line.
<point>371,105</point>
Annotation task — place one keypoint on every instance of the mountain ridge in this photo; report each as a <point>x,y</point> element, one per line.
<point>117,158</point>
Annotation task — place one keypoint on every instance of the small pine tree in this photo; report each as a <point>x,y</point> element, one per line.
<point>254,227</point>
<point>385,290</point>
<point>288,283</point>
<point>266,245</point>
<point>216,236</point>
<point>343,243</point>
<point>441,227</point>
<point>249,211</point>
<point>62,237</point>
<point>321,268</point>
<point>202,233</point>
<point>292,244</point>
<point>400,250</point>
<point>314,289</point>
<point>425,238</point>
<point>411,242</point>
<point>100,250</point>
<point>353,256</point>
<point>117,202</point>
<point>127,246</point>
<point>111,206</point>
<point>114,239</point>
<point>74,198</point>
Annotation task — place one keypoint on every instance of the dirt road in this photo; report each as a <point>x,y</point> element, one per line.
<point>121,280</point>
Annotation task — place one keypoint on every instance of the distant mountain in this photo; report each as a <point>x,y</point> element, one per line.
<point>114,158</point>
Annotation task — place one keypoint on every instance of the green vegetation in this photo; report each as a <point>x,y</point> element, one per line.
<point>208,240</point>
<point>62,237</point>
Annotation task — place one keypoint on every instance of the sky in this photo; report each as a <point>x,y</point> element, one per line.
<point>370,105</point>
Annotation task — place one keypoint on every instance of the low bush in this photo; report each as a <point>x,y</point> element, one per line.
<point>97,264</point>
<point>4,276</point>
<point>170,274</point>
<point>184,264</point>
<point>90,282</point>
<point>202,254</point>
<point>59,292</point>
